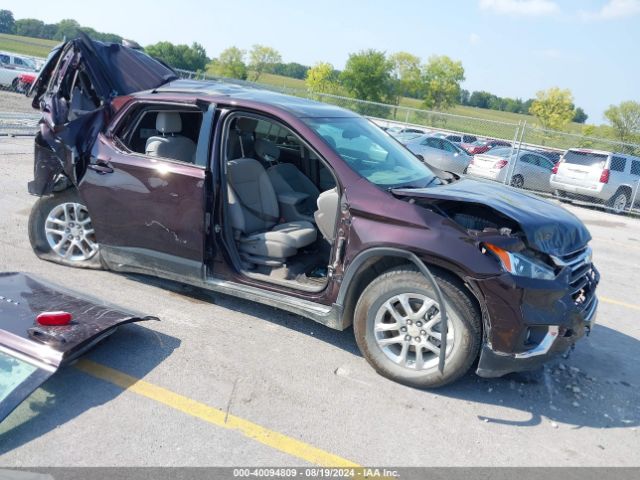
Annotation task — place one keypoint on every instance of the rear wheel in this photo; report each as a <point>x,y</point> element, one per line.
<point>517,181</point>
<point>60,230</point>
<point>397,324</point>
<point>620,201</point>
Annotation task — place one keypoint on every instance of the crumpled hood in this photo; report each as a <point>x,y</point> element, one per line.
<point>548,227</point>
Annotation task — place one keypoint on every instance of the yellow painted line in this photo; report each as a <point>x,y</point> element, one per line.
<point>215,416</point>
<point>618,302</point>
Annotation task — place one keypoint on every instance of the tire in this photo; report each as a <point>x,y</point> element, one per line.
<point>517,181</point>
<point>464,328</point>
<point>619,202</point>
<point>60,231</point>
<point>14,85</point>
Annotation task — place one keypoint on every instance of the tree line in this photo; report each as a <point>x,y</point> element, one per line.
<point>370,75</point>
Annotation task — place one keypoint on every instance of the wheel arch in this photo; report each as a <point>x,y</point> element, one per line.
<point>372,262</point>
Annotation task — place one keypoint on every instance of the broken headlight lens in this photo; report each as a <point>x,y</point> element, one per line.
<point>522,265</point>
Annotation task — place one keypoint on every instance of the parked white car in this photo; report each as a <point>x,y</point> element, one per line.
<point>11,66</point>
<point>530,170</point>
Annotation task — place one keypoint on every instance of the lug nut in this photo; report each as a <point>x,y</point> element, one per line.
<point>422,332</point>
<point>409,322</point>
<point>403,329</point>
<point>67,230</point>
<point>407,337</point>
<point>417,339</point>
<point>419,324</point>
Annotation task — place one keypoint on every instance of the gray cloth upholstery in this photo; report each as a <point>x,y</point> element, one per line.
<point>170,145</point>
<point>266,150</point>
<point>326,214</point>
<point>285,178</point>
<point>254,212</point>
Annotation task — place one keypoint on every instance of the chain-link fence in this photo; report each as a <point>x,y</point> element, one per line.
<point>591,171</point>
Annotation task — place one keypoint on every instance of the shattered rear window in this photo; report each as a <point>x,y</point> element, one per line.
<point>12,373</point>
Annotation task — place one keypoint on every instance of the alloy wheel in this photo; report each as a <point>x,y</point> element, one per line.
<point>620,203</point>
<point>70,233</point>
<point>407,330</point>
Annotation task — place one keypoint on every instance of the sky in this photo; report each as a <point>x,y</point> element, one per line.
<point>510,48</point>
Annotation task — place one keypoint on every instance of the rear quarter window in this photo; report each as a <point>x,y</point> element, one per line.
<point>635,167</point>
<point>618,164</point>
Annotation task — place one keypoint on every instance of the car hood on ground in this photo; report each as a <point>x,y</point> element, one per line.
<point>547,226</point>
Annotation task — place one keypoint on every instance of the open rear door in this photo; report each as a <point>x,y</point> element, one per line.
<point>31,347</point>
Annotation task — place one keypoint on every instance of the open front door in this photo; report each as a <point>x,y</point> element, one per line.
<point>31,347</point>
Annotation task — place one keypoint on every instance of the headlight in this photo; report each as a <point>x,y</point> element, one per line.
<point>522,265</point>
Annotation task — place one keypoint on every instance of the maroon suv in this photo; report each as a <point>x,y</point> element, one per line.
<point>303,206</point>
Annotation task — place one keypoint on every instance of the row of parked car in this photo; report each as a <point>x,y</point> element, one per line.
<point>596,176</point>
<point>17,72</point>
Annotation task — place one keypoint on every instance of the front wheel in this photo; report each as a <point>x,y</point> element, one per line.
<point>60,230</point>
<point>619,201</point>
<point>517,181</point>
<point>397,324</point>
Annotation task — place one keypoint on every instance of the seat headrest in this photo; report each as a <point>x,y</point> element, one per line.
<point>246,124</point>
<point>169,122</point>
<point>267,150</point>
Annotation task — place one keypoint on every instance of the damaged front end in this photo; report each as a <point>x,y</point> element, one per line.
<point>542,298</point>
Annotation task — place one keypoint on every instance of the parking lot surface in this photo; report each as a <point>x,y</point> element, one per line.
<point>229,382</point>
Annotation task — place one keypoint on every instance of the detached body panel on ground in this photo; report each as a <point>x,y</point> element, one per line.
<point>306,207</point>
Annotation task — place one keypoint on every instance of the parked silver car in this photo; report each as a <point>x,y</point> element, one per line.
<point>607,177</point>
<point>526,169</point>
<point>440,153</point>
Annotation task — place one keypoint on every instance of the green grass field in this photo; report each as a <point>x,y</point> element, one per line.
<point>34,47</point>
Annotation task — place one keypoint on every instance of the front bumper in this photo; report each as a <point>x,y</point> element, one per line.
<point>547,320</point>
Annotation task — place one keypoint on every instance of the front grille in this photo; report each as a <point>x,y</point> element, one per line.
<point>582,279</point>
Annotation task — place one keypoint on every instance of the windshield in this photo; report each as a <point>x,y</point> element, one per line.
<point>586,159</point>
<point>372,153</point>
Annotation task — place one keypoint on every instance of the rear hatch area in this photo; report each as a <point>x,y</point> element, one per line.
<point>581,168</point>
<point>44,327</point>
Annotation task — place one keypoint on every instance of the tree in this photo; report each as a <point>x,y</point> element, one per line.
<point>553,108</point>
<point>625,120</point>
<point>30,27</point>
<point>261,58</point>
<point>291,69</point>
<point>442,77</point>
<point>367,76</point>
<point>231,64</point>
<point>180,56</point>
<point>7,22</point>
<point>406,73</point>
<point>321,78</point>
<point>67,28</point>
<point>580,116</point>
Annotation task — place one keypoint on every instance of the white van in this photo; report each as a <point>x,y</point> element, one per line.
<point>606,177</point>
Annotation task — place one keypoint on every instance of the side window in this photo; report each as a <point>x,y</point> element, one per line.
<point>448,147</point>
<point>546,164</point>
<point>635,167</point>
<point>18,61</point>
<point>167,133</point>
<point>434,143</point>
<point>4,59</point>
<point>618,164</point>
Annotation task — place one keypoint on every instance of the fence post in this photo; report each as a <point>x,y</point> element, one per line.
<point>406,119</point>
<point>512,168</point>
<point>513,145</point>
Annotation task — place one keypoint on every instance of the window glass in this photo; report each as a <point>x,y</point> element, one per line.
<point>4,59</point>
<point>635,167</point>
<point>371,153</point>
<point>618,164</point>
<point>13,373</point>
<point>454,138</point>
<point>586,159</point>
<point>546,163</point>
<point>18,61</point>
<point>500,152</point>
<point>448,147</point>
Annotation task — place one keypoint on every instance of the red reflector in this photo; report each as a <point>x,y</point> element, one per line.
<point>554,170</point>
<point>500,164</point>
<point>54,318</point>
<point>604,176</point>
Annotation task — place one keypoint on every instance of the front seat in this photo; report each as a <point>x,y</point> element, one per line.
<point>255,214</point>
<point>170,144</point>
<point>285,177</point>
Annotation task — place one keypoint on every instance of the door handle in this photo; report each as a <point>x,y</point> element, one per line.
<point>101,166</point>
